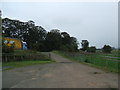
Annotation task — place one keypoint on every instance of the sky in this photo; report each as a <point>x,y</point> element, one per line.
<point>96,22</point>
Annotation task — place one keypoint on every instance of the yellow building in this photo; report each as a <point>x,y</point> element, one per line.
<point>10,41</point>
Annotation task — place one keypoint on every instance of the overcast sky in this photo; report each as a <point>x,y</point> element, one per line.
<point>96,22</point>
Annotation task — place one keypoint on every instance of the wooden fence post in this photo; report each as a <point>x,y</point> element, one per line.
<point>49,55</point>
<point>5,58</point>
<point>91,59</point>
<point>14,57</point>
<point>21,58</point>
<point>106,64</point>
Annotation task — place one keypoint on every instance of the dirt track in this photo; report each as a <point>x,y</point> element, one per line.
<point>61,74</point>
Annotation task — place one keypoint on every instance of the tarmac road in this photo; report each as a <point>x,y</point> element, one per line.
<point>61,74</point>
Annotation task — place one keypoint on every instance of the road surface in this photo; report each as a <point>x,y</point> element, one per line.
<point>61,74</point>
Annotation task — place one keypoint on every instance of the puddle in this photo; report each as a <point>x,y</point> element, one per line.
<point>65,62</point>
<point>97,73</point>
<point>6,67</point>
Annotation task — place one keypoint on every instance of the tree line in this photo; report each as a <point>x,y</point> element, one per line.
<point>92,49</point>
<point>37,37</point>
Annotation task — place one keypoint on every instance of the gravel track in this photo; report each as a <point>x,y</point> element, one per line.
<point>61,74</point>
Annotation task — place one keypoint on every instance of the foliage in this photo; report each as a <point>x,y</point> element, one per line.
<point>99,60</point>
<point>71,46</point>
<point>65,38</point>
<point>68,43</point>
<point>26,31</point>
<point>85,45</point>
<point>91,49</point>
<point>6,48</point>
<point>74,43</point>
<point>107,49</point>
<point>39,47</point>
<point>37,37</point>
<point>53,40</point>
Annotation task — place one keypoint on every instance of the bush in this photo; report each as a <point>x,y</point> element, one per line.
<point>38,47</point>
<point>91,49</point>
<point>107,49</point>
<point>69,48</point>
<point>64,48</point>
<point>7,48</point>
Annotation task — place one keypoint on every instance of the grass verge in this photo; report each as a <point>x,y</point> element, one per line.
<point>94,60</point>
<point>16,64</point>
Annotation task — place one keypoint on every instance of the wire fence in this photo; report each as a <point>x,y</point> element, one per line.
<point>12,57</point>
<point>110,63</point>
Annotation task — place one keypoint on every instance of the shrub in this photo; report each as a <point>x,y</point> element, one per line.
<point>7,49</point>
<point>69,48</point>
<point>91,49</point>
<point>107,49</point>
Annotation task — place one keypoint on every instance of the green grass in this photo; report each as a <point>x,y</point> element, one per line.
<point>24,63</point>
<point>114,53</point>
<point>34,58</point>
<point>96,60</point>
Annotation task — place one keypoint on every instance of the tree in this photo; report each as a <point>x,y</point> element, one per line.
<point>53,40</point>
<point>74,43</point>
<point>84,44</point>
<point>25,31</point>
<point>91,49</point>
<point>36,37</point>
<point>107,49</point>
<point>68,43</point>
<point>65,38</point>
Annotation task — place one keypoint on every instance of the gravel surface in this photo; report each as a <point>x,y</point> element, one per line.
<point>61,74</point>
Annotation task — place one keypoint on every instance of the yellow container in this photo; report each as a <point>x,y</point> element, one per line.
<point>9,41</point>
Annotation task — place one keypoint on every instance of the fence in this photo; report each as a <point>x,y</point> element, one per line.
<point>111,63</point>
<point>10,57</point>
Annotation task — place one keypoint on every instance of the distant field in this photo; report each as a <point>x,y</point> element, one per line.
<point>105,61</point>
<point>114,53</point>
